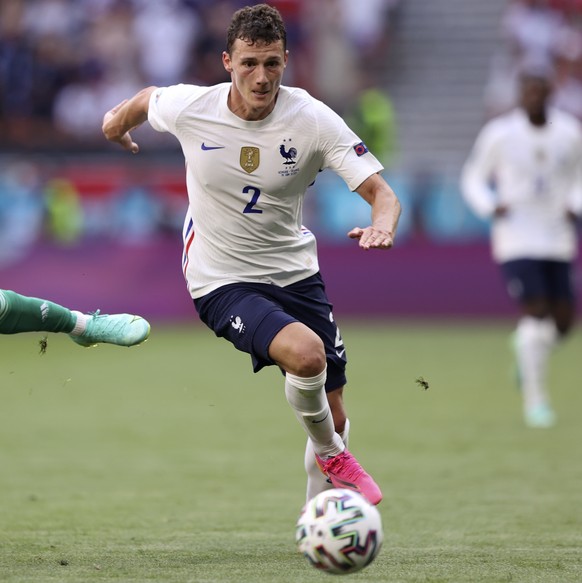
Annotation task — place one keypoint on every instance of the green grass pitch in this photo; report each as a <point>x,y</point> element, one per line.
<point>172,462</point>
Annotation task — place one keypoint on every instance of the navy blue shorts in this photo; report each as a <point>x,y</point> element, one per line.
<point>251,314</point>
<point>531,279</point>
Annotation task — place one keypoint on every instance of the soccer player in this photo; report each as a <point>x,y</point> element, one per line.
<point>525,172</point>
<point>20,313</point>
<point>252,148</point>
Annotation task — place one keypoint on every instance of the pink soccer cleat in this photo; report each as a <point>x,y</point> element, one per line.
<point>344,471</point>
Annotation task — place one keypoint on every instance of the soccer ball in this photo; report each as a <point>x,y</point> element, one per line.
<point>339,531</point>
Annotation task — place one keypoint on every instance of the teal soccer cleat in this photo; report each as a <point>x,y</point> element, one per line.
<point>119,329</point>
<point>540,417</point>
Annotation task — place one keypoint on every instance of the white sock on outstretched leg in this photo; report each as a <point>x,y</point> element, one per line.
<point>308,399</point>
<point>535,339</point>
<point>80,323</point>
<point>317,481</point>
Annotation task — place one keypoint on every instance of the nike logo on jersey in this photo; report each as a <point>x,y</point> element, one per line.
<point>205,147</point>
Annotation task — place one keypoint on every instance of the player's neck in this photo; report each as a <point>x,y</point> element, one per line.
<point>537,118</point>
<point>245,111</point>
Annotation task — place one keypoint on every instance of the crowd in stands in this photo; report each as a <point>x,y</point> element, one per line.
<point>63,63</point>
<point>547,33</point>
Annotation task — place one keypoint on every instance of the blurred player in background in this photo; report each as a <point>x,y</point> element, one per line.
<point>252,148</point>
<point>525,172</point>
<point>20,313</point>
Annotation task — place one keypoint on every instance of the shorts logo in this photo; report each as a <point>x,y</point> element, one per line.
<point>250,158</point>
<point>360,149</point>
<point>339,343</point>
<point>237,324</point>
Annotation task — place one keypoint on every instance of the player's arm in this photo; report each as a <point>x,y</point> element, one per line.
<point>574,197</point>
<point>385,214</point>
<point>475,180</point>
<point>126,116</point>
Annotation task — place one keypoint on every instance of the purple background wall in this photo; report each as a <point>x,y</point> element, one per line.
<point>416,279</point>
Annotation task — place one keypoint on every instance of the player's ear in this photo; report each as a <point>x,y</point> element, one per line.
<point>285,58</point>
<point>227,63</point>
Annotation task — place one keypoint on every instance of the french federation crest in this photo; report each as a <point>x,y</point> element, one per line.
<point>250,158</point>
<point>288,155</point>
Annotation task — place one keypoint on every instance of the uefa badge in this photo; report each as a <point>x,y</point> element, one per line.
<point>360,149</point>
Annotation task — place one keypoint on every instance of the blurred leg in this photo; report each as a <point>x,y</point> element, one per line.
<point>20,313</point>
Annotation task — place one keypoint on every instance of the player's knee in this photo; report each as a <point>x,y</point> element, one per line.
<point>564,327</point>
<point>299,351</point>
<point>563,317</point>
<point>309,358</point>
<point>310,365</point>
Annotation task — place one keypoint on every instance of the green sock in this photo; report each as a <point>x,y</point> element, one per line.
<point>24,314</point>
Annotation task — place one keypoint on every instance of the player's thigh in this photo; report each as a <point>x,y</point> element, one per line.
<point>307,301</point>
<point>246,317</point>
<point>527,284</point>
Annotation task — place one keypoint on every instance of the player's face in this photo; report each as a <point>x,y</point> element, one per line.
<point>534,95</point>
<point>256,71</point>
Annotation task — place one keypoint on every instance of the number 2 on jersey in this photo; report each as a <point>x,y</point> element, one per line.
<point>254,199</point>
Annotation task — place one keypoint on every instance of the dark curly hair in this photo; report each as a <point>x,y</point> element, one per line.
<point>260,23</point>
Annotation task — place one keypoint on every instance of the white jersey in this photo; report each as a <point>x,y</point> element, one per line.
<point>247,180</point>
<point>537,173</point>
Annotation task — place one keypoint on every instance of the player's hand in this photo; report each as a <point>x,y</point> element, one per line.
<point>372,238</point>
<point>125,139</point>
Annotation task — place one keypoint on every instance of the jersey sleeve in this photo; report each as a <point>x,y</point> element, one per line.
<point>574,196</point>
<point>343,151</point>
<point>167,103</point>
<point>477,173</point>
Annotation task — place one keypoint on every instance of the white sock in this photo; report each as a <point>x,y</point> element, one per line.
<point>80,324</point>
<point>307,398</point>
<point>316,481</point>
<point>535,339</point>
